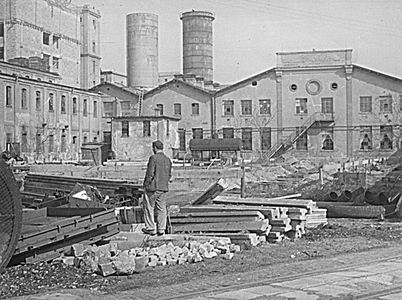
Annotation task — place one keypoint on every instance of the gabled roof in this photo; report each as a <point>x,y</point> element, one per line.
<point>244,81</point>
<point>99,88</point>
<point>176,81</point>
<point>376,72</point>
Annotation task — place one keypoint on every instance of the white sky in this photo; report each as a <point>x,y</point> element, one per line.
<point>248,33</point>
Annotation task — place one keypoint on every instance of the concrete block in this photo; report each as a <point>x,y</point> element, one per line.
<point>140,263</point>
<point>113,248</point>
<point>153,260</point>
<point>190,258</point>
<point>211,254</point>
<point>124,263</point>
<point>77,250</point>
<point>228,255</point>
<point>162,262</point>
<point>234,248</point>
<point>181,260</point>
<point>197,258</point>
<point>68,260</point>
<point>107,269</point>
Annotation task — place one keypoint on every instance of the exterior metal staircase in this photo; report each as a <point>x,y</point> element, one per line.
<point>287,143</point>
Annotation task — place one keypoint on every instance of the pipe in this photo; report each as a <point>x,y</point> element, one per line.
<point>333,196</point>
<point>346,196</point>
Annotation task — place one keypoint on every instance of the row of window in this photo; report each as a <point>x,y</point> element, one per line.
<point>264,106</point>
<point>195,109</point>
<point>50,102</point>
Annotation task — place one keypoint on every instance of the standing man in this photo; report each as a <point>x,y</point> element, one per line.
<point>156,184</point>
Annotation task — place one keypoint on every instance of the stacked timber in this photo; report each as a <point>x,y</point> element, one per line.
<point>287,217</point>
<point>49,232</point>
<point>241,226</point>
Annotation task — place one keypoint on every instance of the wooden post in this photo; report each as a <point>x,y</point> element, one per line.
<point>242,180</point>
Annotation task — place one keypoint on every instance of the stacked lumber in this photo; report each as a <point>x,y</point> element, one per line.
<point>247,227</point>
<point>46,233</point>
<point>213,191</point>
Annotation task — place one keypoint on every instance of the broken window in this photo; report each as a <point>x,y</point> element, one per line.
<point>386,104</point>
<point>56,40</point>
<point>228,133</point>
<point>74,105</point>
<point>228,107</point>
<point>182,139</point>
<point>38,100</point>
<point>159,108</point>
<point>51,143</point>
<point>246,107</point>
<point>265,138</point>
<point>24,102</point>
<point>51,103</point>
<point>247,138</point>
<point>198,133</point>
<point>301,142</point>
<point>63,104</point>
<point>177,109</point>
<point>56,61</point>
<point>85,108</point>
<point>327,105</point>
<point>386,137</point>
<point>195,109</point>
<point>265,106</point>
<point>366,104</point>
<point>46,38</point>
<point>125,129</point>
<point>146,128</point>
<point>301,106</point>
<point>366,138</point>
<point>328,140</point>
<point>108,109</point>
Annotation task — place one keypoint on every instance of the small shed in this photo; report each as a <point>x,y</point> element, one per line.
<point>208,149</point>
<point>96,153</point>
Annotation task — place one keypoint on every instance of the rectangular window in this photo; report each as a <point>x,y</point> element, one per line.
<point>125,129</point>
<point>93,66</point>
<point>8,96</point>
<point>46,59</point>
<point>265,138</point>
<point>56,63</point>
<point>177,109</point>
<point>228,133</point>
<point>24,100</point>
<point>195,109</point>
<point>1,29</point>
<point>366,104</point>
<point>46,38</point>
<point>366,138</point>
<point>51,143</point>
<point>198,133</point>
<point>85,108</point>
<point>400,103</point>
<point>247,138</point>
<point>265,106</point>
<point>182,139</point>
<point>63,104</point>
<point>301,106</point>
<point>386,104</point>
<point>56,40</point>
<point>2,53</point>
<point>24,142</point>
<point>108,109</point>
<point>328,139</point>
<point>63,144</point>
<point>146,128</point>
<point>38,143</point>
<point>38,101</point>
<point>51,102</point>
<point>386,137</point>
<point>95,109</point>
<point>93,47</point>
<point>159,107</point>
<point>75,104</point>
<point>167,128</point>
<point>327,105</point>
<point>246,107</point>
<point>301,142</point>
<point>228,107</point>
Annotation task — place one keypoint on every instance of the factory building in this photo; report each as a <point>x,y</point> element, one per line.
<point>51,36</point>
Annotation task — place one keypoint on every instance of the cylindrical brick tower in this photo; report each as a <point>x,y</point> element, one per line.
<point>198,43</point>
<point>142,50</point>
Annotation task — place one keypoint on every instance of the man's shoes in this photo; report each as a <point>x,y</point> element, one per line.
<point>160,233</point>
<point>148,231</point>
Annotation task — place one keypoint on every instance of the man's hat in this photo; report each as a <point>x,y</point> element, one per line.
<point>157,144</point>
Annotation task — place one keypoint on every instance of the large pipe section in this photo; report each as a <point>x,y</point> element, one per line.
<point>198,43</point>
<point>142,50</point>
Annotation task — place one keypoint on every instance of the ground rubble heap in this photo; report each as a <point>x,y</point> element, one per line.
<point>108,259</point>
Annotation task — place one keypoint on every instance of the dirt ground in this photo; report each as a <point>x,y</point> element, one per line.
<point>340,236</point>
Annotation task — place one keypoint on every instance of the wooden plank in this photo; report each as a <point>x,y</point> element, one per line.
<point>257,226</point>
<point>268,212</point>
<point>302,203</point>
<point>213,191</point>
<point>222,219</point>
<point>72,211</point>
<point>249,213</point>
<point>365,212</point>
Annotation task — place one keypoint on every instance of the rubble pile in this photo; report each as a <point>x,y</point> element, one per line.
<point>109,260</point>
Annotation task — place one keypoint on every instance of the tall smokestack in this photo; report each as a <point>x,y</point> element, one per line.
<point>142,50</point>
<point>198,43</point>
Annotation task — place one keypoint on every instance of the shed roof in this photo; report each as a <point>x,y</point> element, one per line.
<point>234,144</point>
